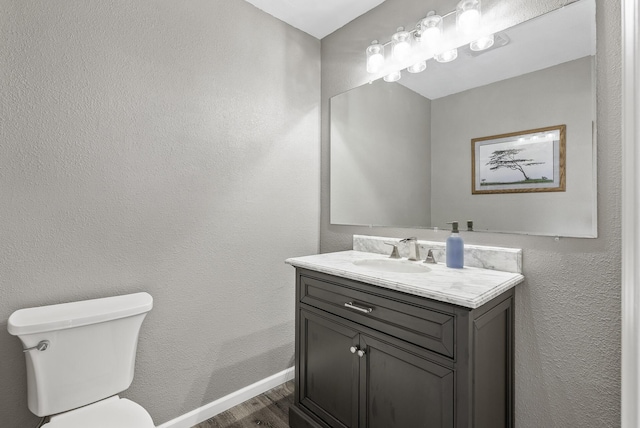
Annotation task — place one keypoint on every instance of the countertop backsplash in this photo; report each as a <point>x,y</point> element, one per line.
<point>494,258</point>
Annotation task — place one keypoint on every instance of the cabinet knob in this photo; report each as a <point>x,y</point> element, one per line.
<point>361,353</point>
<point>353,349</point>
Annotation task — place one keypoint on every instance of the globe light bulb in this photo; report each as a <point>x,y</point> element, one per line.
<point>447,56</point>
<point>431,30</point>
<point>375,57</point>
<point>417,67</point>
<point>482,43</point>
<point>401,44</point>
<point>394,76</point>
<point>468,16</point>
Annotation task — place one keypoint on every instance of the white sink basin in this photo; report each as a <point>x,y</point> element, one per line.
<point>392,265</point>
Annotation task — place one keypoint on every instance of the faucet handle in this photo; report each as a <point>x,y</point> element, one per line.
<point>430,258</point>
<point>394,252</point>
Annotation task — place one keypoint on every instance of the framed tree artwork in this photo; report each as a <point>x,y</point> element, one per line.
<point>520,162</point>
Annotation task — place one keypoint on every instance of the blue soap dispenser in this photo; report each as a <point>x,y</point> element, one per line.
<point>455,248</point>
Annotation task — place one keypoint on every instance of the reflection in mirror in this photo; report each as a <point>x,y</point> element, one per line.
<point>401,153</point>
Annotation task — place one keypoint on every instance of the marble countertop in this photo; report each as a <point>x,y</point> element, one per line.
<point>468,287</point>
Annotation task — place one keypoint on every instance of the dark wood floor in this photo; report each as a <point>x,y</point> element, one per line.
<point>268,410</point>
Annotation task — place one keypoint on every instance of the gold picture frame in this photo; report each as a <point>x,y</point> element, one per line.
<point>520,162</point>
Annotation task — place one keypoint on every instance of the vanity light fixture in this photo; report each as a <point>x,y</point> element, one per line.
<point>401,44</point>
<point>375,57</point>
<point>429,38</point>
<point>447,56</point>
<point>482,43</point>
<point>394,76</point>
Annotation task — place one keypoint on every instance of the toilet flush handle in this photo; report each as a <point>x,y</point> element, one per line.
<point>41,346</point>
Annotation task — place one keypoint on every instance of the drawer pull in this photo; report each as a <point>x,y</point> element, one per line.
<point>350,305</point>
<point>353,349</point>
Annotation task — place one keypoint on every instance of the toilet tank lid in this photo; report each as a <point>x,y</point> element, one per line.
<point>75,314</point>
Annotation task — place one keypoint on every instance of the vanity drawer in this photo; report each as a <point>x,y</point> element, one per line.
<point>422,326</point>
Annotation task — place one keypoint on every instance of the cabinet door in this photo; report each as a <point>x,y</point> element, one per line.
<point>399,389</point>
<point>328,370</point>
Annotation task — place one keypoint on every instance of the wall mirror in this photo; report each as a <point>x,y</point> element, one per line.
<point>401,153</point>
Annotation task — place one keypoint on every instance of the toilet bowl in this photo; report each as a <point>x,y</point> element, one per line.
<point>80,355</point>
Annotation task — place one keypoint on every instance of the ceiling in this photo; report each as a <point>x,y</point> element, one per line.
<point>316,17</point>
<point>552,39</point>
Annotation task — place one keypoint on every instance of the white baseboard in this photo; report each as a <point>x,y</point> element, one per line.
<point>207,411</point>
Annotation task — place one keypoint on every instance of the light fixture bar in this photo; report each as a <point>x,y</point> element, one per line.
<point>415,30</point>
<point>430,42</point>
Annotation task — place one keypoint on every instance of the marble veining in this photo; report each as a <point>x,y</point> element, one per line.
<point>494,258</point>
<point>469,287</point>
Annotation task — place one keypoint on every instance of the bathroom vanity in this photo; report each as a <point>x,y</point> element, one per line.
<point>386,343</point>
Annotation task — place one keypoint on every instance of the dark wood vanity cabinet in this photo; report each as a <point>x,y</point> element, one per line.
<point>388,359</point>
<point>352,379</point>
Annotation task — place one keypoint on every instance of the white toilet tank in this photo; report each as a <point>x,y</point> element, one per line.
<point>91,351</point>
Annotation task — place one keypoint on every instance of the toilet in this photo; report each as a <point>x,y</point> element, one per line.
<point>79,356</point>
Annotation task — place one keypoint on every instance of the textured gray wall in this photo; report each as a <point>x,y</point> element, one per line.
<point>164,146</point>
<point>568,310</point>
<point>380,138</point>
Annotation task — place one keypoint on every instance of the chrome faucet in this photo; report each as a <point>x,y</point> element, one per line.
<point>414,249</point>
